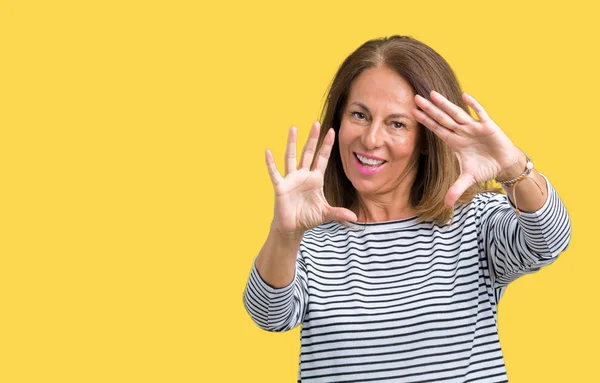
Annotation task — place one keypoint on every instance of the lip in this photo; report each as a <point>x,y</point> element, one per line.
<point>365,170</point>
<point>368,156</point>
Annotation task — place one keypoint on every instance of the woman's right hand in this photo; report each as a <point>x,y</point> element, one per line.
<point>300,203</point>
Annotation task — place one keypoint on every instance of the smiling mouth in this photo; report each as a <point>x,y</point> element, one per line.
<point>368,162</point>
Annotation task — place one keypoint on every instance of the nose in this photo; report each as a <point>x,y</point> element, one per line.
<point>372,136</point>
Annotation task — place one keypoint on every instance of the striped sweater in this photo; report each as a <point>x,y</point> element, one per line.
<point>401,301</point>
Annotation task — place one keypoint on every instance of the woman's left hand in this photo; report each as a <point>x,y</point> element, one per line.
<point>484,151</point>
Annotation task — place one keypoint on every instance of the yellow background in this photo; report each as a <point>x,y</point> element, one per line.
<point>134,194</point>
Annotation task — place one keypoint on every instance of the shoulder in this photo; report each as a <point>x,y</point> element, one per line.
<point>327,229</point>
<point>484,206</point>
<point>486,200</point>
<point>325,238</point>
<point>330,233</point>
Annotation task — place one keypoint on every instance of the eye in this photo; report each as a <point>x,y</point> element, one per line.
<point>398,125</point>
<point>359,115</point>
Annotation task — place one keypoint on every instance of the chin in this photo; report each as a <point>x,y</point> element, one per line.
<point>364,187</point>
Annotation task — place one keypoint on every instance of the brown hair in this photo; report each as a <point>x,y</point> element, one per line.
<point>425,70</point>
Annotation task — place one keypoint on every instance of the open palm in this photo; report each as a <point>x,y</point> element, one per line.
<point>482,148</point>
<point>299,200</point>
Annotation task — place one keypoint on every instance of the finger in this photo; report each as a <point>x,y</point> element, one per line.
<point>481,113</point>
<point>464,182</point>
<point>311,145</point>
<point>290,152</point>
<point>340,214</point>
<point>439,130</point>
<point>273,172</point>
<point>457,113</point>
<point>436,113</point>
<point>325,152</point>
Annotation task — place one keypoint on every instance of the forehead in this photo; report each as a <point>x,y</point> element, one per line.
<point>381,86</point>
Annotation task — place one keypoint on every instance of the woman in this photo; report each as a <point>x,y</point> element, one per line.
<point>386,244</point>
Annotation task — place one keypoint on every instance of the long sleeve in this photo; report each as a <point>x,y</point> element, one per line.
<point>519,245</point>
<point>277,309</point>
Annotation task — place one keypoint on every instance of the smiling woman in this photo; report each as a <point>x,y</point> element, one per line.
<point>386,244</point>
<point>399,67</point>
<point>379,142</point>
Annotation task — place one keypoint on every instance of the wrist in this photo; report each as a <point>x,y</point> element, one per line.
<point>515,170</point>
<point>284,236</point>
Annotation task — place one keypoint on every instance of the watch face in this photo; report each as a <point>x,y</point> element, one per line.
<point>529,165</point>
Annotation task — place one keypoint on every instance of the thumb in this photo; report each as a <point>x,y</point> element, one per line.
<point>340,214</point>
<point>457,189</point>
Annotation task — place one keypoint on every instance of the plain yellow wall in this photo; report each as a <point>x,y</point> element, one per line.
<point>134,195</point>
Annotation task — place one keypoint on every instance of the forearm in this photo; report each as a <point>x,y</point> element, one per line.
<point>276,293</point>
<point>519,245</point>
<point>527,192</point>
<point>276,262</point>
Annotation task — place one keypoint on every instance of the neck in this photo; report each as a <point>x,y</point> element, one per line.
<point>370,209</point>
<point>389,206</point>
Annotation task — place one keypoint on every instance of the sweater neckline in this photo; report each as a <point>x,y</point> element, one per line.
<point>385,225</point>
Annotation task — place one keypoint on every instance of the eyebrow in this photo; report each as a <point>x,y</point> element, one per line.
<point>396,115</point>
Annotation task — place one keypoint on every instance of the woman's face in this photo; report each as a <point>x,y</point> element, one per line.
<point>378,134</point>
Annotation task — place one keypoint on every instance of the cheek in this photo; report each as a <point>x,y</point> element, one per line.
<point>344,136</point>
<point>349,132</point>
<point>399,146</point>
<point>403,146</point>
<point>401,142</point>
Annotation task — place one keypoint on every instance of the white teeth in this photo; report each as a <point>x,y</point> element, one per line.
<point>369,161</point>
